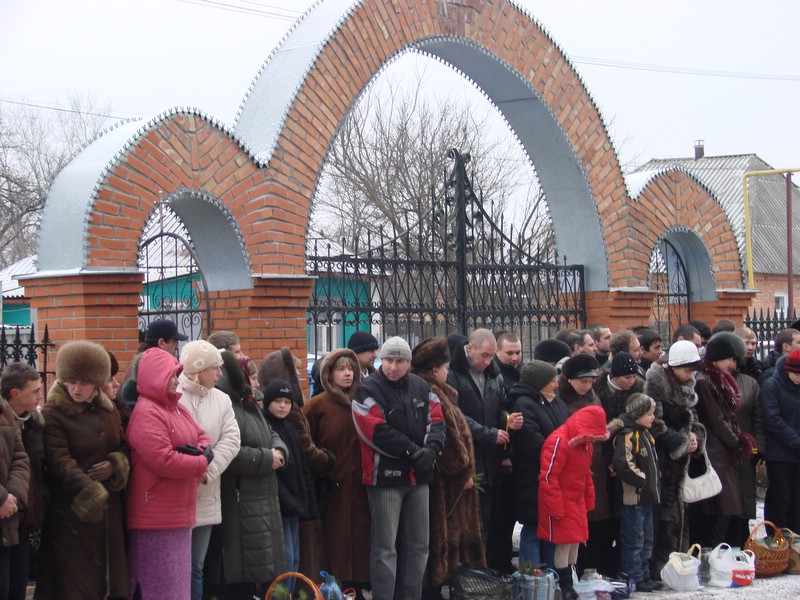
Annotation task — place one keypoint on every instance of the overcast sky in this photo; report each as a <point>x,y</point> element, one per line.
<point>662,73</point>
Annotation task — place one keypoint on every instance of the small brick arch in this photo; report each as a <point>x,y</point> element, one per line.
<point>675,205</point>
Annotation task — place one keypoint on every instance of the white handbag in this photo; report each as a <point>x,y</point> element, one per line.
<point>707,485</point>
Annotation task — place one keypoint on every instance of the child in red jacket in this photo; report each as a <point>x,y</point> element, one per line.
<point>566,491</point>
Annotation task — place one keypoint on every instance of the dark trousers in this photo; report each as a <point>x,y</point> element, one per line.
<point>601,551</point>
<point>19,567</point>
<point>502,518</point>
<point>5,565</point>
<point>782,503</point>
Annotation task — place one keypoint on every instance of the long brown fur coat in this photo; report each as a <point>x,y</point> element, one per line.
<point>455,512</point>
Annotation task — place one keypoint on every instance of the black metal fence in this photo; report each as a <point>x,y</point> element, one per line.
<point>451,269</point>
<point>22,346</point>
<point>767,325</point>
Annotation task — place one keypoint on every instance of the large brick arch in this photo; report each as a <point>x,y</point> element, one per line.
<point>305,90</point>
<point>675,205</point>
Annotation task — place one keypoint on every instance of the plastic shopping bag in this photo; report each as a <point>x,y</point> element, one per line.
<point>731,568</point>
<point>682,571</point>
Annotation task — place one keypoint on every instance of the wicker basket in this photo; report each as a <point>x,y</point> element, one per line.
<point>310,584</point>
<point>772,554</point>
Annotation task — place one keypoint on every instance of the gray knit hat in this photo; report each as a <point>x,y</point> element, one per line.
<point>395,347</point>
<point>198,356</point>
<point>538,373</point>
<point>638,405</point>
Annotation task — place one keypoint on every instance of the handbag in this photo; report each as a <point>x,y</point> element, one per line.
<point>682,571</point>
<point>707,485</point>
<point>731,568</point>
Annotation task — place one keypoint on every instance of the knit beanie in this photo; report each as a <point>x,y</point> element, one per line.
<point>792,363</point>
<point>582,364</point>
<point>362,341</point>
<point>396,347</point>
<point>198,356</point>
<point>538,373</point>
<point>736,342</point>
<point>683,353</point>
<point>551,351</point>
<point>720,348</point>
<point>277,388</point>
<point>638,405</point>
<point>623,364</point>
<point>429,354</point>
<point>85,361</point>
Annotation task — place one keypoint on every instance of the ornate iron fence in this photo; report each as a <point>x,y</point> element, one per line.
<point>671,307</point>
<point>23,347</point>
<point>450,270</point>
<point>766,326</point>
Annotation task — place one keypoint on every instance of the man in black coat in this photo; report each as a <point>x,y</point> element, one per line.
<point>482,398</point>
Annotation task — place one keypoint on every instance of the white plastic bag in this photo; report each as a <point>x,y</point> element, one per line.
<point>594,589</point>
<point>682,571</point>
<point>729,568</point>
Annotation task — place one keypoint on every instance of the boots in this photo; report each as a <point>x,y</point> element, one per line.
<point>565,583</point>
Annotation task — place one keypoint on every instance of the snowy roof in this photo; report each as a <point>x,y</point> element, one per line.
<point>10,286</point>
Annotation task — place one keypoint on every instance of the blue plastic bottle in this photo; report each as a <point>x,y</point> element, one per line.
<point>330,589</point>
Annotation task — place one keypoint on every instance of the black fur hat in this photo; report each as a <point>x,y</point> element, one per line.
<point>582,364</point>
<point>85,361</point>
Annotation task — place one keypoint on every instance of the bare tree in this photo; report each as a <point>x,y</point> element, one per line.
<point>389,161</point>
<point>35,144</point>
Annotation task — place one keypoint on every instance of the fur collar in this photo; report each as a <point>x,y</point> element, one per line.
<point>234,382</point>
<point>571,398</point>
<point>670,390</point>
<point>59,398</point>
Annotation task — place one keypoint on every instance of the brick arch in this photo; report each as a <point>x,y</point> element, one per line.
<point>675,205</point>
<point>306,88</point>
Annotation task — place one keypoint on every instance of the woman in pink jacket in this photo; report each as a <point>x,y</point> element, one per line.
<point>566,491</point>
<point>169,455</point>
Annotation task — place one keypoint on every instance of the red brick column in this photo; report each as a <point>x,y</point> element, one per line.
<point>101,307</point>
<point>267,317</point>
<point>730,304</point>
<point>620,308</point>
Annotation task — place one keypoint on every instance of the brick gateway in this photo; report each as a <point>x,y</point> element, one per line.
<point>244,193</point>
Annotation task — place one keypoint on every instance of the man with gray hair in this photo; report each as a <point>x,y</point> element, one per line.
<point>401,427</point>
<point>482,399</point>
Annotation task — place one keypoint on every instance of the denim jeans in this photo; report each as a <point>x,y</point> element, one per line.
<point>291,547</point>
<point>399,540</point>
<point>636,540</point>
<point>534,551</point>
<point>200,538</point>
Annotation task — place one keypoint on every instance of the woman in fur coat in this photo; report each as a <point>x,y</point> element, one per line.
<point>672,388</point>
<point>454,504</point>
<point>346,522</point>
<point>83,548</point>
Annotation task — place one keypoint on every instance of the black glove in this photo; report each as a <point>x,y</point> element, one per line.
<point>423,458</point>
<point>208,452</point>
<point>189,449</point>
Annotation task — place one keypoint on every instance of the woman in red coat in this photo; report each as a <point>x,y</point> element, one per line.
<point>566,491</point>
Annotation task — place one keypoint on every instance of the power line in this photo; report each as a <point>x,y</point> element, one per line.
<point>68,110</point>
<point>621,64</point>
<point>287,15</point>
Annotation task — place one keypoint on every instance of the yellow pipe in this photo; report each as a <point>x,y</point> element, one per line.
<point>747,225</point>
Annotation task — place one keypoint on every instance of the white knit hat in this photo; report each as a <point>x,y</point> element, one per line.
<point>198,356</point>
<point>395,347</point>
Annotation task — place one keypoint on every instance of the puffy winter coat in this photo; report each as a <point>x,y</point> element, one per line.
<point>14,472</point>
<point>389,417</point>
<point>211,409</point>
<point>163,484</point>
<point>247,547</point>
<point>485,411</point>
<point>780,405</point>
<point>635,462</point>
<point>540,419</point>
<point>346,519</point>
<point>566,491</point>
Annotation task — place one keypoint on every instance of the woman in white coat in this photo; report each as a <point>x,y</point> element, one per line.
<point>211,409</point>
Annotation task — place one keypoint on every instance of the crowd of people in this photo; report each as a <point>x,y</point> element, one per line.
<point>205,475</point>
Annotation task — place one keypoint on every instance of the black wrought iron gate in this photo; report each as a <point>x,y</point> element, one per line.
<point>174,285</point>
<point>672,307</point>
<point>451,270</point>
